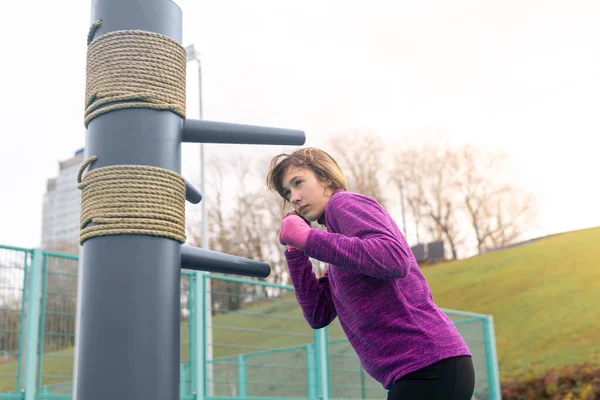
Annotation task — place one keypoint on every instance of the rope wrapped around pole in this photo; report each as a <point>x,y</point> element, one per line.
<point>132,69</point>
<point>131,199</point>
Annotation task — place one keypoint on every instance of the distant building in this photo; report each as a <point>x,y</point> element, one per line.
<point>61,207</point>
<point>429,253</point>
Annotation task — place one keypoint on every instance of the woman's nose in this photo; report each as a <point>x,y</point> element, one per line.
<point>294,197</point>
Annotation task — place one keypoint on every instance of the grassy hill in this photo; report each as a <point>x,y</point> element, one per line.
<point>543,295</point>
<point>544,298</point>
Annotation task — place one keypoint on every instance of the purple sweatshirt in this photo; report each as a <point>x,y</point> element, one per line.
<point>375,287</point>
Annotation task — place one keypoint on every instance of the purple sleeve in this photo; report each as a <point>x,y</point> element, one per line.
<point>367,243</point>
<point>313,294</point>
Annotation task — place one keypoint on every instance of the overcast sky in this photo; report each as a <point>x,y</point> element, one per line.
<point>515,75</point>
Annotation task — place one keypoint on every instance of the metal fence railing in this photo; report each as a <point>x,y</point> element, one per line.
<point>240,338</point>
<point>14,268</point>
<point>58,307</point>
<point>279,356</point>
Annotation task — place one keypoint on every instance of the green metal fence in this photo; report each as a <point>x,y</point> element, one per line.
<point>263,348</point>
<point>14,266</point>
<point>240,338</point>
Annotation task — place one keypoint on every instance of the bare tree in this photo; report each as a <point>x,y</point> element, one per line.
<point>12,267</point>
<point>223,229</point>
<point>415,207</point>
<point>273,250</point>
<point>361,156</point>
<point>457,192</point>
<point>224,295</point>
<point>428,177</point>
<point>243,220</point>
<point>498,211</point>
<point>508,216</point>
<point>10,328</point>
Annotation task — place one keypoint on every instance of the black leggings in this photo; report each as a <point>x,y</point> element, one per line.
<point>449,379</point>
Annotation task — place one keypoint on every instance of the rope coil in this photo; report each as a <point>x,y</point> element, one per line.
<point>131,199</point>
<point>134,69</point>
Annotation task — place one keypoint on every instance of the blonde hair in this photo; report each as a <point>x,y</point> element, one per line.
<point>325,168</point>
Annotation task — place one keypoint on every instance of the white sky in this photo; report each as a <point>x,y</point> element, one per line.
<point>520,76</point>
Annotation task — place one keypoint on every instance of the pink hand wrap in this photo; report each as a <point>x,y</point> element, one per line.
<point>294,231</point>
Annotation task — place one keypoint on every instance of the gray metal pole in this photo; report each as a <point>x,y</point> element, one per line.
<point>128,315</point>
<point>204,236</point>
<point>192,55</point>
<point>130,307</point>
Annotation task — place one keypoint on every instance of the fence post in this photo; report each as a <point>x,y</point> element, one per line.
<point>491,359</point>
<point>32,324</point>
<point>42,323</point>
<point>182,380</point>
<point>363,389</point>
<point>322,350</point>
<point>242,376</point>
<point>207,349</point>
<point>311,372</point>
<point>197,336</point>
<point>26,269</point>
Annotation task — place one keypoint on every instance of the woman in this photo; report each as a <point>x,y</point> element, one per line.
<point>372,284</point>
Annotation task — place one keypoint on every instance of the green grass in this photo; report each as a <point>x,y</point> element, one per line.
<point>273,324</point>
<point>544,297</point>
<point>57,367</point>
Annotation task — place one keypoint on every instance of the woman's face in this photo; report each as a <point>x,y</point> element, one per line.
<point>305,192</point>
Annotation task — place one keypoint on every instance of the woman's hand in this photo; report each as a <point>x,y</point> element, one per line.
<point>294,231</point>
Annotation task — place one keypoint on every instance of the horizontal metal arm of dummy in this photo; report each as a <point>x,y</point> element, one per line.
<point>192,194</point>
<point>199,259</point>
<point>201,131</point>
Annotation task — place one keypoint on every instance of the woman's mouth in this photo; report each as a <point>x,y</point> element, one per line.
<point>302,208</point>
